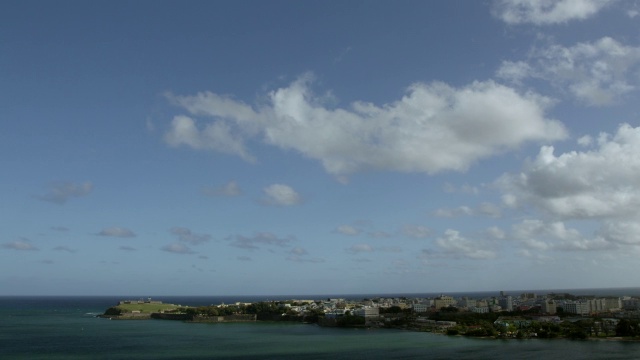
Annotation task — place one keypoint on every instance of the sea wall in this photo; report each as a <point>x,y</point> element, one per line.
<point>164,316</point>
<point>227,318</point>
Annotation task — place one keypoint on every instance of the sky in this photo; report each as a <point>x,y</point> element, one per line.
<point>318,147</point>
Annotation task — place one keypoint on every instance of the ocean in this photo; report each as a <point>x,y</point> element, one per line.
<point>66,328</point>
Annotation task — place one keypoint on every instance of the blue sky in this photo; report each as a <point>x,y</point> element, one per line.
<point>287,147</point>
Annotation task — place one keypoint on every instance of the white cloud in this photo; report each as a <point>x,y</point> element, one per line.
<point>541,236</point>
<point>229,189</point>
<point>64,248</point>
<point>298,251</point>
<point>116,232</point>
<point>598,73</point>
<point>282,195</point>
<point>454,245</point>
<point>489,209</point>
<point>186,235</point>
<point>360,248</point>
<point>585,140</point>
<point>416,231</point>
<point>603,183</point>
<point>61,192</point>
<point>514,71</point>
<point>300,255</point>
<point>546,12</point>
<point>495,233</point>
<point>177,248</point>
<point>433,128</point>
<point>216,136</point>
<point>379,234</point>
<point>597,188</point>
<point>21,244</point>
<point>621,232</point>
<point>484,209</point>
<point>262,239</point>
<point>459,211</point>
<point>348,230</point>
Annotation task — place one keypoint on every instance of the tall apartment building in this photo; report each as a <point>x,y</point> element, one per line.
<point>548,306</point>
<point>506,303</point>
<point>443,301</point>
<point>576,307</point>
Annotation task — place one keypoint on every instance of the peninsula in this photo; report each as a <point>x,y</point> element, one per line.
<point>502,316</point>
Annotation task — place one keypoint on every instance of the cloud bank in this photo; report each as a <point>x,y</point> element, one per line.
<point>546,12</point>
<point>60,192</point>
<point>433,128</point>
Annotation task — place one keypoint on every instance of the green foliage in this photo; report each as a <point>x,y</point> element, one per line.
<point>113,311</point>
<point>449,309</point>
<point>350,320</point>
<point>262,308</point>
<point>391,310</point>
<point>453,331</point>
<point>627,327</point>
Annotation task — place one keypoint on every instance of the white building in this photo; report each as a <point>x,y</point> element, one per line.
<point>576,307</point>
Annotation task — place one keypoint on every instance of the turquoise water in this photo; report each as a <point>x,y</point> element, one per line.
<point>65,328</point>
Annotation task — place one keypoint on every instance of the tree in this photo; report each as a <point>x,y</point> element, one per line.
<point>627,327</point>
<point>113,311</point>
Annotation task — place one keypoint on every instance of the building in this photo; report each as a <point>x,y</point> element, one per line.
<point>506,303</point>
<point>443,301</point>
<point>548,307</point>
<point>367,312</point>
<point>420,308</point>
<point>479,310</point>
<point>576,307</point>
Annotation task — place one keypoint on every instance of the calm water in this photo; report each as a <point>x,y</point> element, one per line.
<point>65,328</point>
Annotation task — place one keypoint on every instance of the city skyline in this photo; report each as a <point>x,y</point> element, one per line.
<point>261,148</point>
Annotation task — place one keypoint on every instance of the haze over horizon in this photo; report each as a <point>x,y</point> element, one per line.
<point>318,147</point>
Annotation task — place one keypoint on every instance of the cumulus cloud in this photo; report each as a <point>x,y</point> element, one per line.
<point>281,195</point>
<point>495,232</point>
<point>298,251</point>
<point>379,234</point>
<point>177,248</point>
<point>546,12</point>
<point>216,136</point>
<point>454,245</point>
<point>433,128</point>
<point>186,235</point>
<point>601,183</point>
<point>484,209</point>
<point>462,210</point>
<point>260,239</point>
<point>596,73</point>
<point>416,231</point>
<point>22,245</point>
<point>538,235</point>
<point>596,188</point>
<point>116,232</point>
<point>360,248</point>
<point>301,259</point>
<point>64,248</point>
<point>61,192</point>
<point>348,230</point>
<point>298,254</point>
<point>229,189</point>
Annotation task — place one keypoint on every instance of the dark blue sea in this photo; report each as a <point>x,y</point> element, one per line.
<point>66,328</point>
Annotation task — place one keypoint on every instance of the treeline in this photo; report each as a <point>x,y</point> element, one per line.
<point>471,324</point>
<point>265,311</point>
